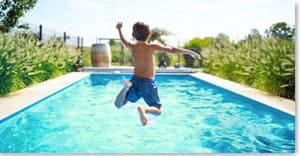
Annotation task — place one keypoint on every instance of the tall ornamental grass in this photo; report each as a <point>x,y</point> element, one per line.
<point>267,64</point>
<point>25,60</point>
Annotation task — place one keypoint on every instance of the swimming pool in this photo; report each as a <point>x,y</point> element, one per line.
<point>198,117</point>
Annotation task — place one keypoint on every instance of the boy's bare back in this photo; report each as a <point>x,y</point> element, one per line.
<point>143,55</point>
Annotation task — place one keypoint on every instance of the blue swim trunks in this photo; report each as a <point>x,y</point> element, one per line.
<point>146,88</point>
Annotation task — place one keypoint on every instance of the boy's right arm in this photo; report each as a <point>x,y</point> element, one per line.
<point>124,41</point>
<point>176,50</point>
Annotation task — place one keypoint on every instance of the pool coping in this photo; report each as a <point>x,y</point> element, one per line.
<point>22,99</point>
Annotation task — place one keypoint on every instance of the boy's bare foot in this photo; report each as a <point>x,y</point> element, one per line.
<point>143,116</point>
<point>121,97</point>
<point>127,83</point>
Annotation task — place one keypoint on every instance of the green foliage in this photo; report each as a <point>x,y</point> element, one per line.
<point>11,11</point>
<point>281,30</point>
<point>25,60</point>
<point>267,64</point>
<point>198,43</point>
<point>157,34</point>
<point>117,57</point>
<point>221,41</point>
<point>86,59</point>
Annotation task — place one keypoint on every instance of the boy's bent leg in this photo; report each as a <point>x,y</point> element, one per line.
<point>121,97</point>
<point>143,116</point>
<point>143,110</point>
<point>153,110</point>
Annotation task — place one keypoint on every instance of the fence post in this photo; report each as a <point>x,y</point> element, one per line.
<point>78,42</point>
<point>41,33</point>
<point>79,62</point>
<point>65,37</point>
<point>122,54</point>
<point>81,47</point>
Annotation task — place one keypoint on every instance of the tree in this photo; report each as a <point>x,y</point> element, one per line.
<point>254,35</point>
<point>221,41</point>
<point>157,33</point>
<point>198,43</point>
<point>11,11</point>
<point>281,30</point>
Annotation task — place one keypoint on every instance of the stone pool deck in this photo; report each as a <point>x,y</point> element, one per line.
<point>21,99</point>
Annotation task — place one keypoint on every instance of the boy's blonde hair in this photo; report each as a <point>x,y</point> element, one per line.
<point>141,31</point>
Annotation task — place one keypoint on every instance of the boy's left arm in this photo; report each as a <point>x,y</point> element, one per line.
<point>177,50</point>
<point>186,51</point>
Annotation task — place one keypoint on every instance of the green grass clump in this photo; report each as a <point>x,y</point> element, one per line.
<point>25,60</point>
<point>267,64</point>
<point>86,59</point>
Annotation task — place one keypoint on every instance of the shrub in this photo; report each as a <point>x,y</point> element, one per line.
<point>267,64</point>
<point>25,60</point>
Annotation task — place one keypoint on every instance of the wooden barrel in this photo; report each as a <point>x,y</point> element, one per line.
<point>100,55</point>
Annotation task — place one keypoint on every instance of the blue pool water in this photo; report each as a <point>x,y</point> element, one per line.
<point>198,117</point>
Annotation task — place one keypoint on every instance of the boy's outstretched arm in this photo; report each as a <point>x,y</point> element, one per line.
<point>176,50</point>
<point>124,41</point>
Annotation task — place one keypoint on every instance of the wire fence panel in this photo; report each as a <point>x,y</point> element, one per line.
<point>45,34</point>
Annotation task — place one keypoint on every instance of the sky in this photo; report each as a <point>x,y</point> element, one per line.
<point>186,19</point>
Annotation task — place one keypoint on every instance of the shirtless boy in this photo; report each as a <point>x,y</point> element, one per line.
<point>142,83</point>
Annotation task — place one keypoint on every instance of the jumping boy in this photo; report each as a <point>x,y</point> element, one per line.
<point>142,83</point>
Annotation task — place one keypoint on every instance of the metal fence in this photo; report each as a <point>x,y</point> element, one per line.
<point>44,34</point>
